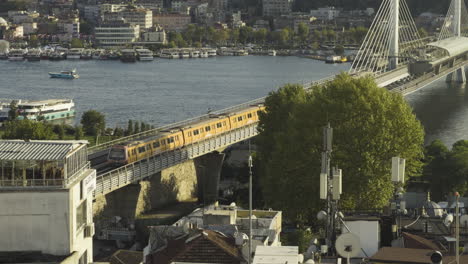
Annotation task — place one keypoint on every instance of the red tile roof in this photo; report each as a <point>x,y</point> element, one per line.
<point>202,247</point>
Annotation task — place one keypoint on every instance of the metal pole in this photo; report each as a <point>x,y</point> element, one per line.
<point>457,229</point>
<point>250,205</point>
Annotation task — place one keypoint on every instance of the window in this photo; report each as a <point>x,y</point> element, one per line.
<point>81,215</point>
<point>163,142</point>
<point>134,151</point>
<point>207,128</point>
<point>141,149</point>
<point>195,132</point>
<point>156,144</point>
<point>239,118</point>
<point>249,115</point>
<point>219,125</point>
<point>170,140</point>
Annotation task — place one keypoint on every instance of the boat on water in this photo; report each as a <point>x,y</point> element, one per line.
<point>74,53</point>
<point>97,54</point>
<point>64,74</point>
<point>212,53</point>
<point>16,54</point>
<point>184,54</point>
<point>271,52</point>
<point>194,54</point>
<point>128,55</point>
<point>46,109</point>
<point>33,55</point>
<point>86,54</point>
<point>169,54</point>
<point>144,54</point>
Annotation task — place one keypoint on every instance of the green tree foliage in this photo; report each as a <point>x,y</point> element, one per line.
<point>136,128</point>
<point>33,41</point>
<point>446,170</point>
<point>93,122</point>
<point>129,130</point>
<point>371,125</point>
<point>303,32</point>
<point>13,112</point>
<point>79,134</point>
<point>86,28</point>
<point>6,6</point>
<point>339,50</point>
<point>76,43</point>
<point>119,132</point>
<point>27,129</point>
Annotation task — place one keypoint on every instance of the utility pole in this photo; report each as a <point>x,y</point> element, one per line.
<point>250,205</point>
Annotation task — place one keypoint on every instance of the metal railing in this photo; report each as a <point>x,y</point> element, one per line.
<point>154,131</point>
<point>45,182</point>
<point>133,172</point>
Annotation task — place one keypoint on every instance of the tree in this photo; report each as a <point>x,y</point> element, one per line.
<point>422,32</point>
<point>27,130</point>
<point>371,125</point>
<point>60,131</point>
<point>13,112</point>
<point>33,41</point>
<point>303,32</point>
<point>86,28</point>
<point>79,133</point>
<point>339,50</point>
<point>136,128</point>
<point>76,43</point>
<point>260,35</point>
<point>129,130</point>
<point>118,132</point>
<point>93,122</point>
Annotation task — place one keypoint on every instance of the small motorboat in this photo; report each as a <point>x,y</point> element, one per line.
<point>64,74</point>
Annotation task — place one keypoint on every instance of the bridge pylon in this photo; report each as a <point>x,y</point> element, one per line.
<point>455,26</point>
<point>392,40</point>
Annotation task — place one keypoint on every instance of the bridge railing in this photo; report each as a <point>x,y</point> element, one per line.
<point>154,131</point>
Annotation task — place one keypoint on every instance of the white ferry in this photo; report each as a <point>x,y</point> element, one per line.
<point>17,54</point>
<point>169,54</point>
<point>184,54</point>
<point>47,110</point>
<point>194,54</point>
<point>74,54</point>
<point>203,54</point>
<point>144,54</point>
<point>212,53</point>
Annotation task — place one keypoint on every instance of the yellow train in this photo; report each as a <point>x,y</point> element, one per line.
<point>179,137</point>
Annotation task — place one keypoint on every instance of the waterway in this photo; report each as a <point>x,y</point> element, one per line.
<point>165,91</point>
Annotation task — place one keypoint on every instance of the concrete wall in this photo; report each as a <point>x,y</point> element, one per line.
<point>35,221</point>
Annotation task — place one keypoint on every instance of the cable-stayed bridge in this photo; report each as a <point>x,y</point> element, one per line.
<point>393,53</point>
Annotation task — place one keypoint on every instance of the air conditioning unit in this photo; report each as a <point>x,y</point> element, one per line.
<point>89,230</point>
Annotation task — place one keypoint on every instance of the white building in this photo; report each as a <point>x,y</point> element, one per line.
<point>134,16</point>
<point>155,36</point>
<point>112,8</point>
<point>325,13</point>
<point>276,7</point>
<point>116,34</point>
<point>69,29</point>
<point>29,28</point>
<point>46,193</point>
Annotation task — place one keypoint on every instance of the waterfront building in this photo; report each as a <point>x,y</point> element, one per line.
<point>112,8</point>
<point>155,35</point>
<point>325,13</point>
<point>276,7</point>
<point>69,29</point>
<point>29,28</point>
<point>92,13</point>
<point>134,16</point>
<point>172,22</point>
<point>116,34</point>
<point>46,193</point>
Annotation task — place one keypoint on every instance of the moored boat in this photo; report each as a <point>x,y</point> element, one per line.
<point>144,54</point>
<point>46,109</point>
<point>33,55</point>
<point>16,54</point>
<point>74,54</point>
<point>128,55</point>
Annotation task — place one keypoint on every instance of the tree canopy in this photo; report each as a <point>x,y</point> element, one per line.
<point>93,122</point>
<point>27,129</point>
<point>371,125</point>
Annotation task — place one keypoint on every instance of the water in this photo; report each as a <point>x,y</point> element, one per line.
<point>165,91</point>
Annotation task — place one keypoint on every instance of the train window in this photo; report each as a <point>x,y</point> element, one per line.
<point>156,144</point>
<point>141,149</point>
<point>163,142</point>
<point>207,128</point>
<point>239,118</point>
<point>195,132</point>
<point>134,151</point>
<point>218,125</point>
<point>189,133</point>
<point>249,115</point>
<point>170,140</point>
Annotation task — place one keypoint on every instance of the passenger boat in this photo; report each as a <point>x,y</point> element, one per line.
<point>203,54</point>
<point>86,55</point>
<point>113,55</point>
<point>194,54</point>
<point>272,53</point>
<point>184,54</point>
<point>46,109</point>
<point>97,54</point>
<point>240,52</point>
<point>144,54</point>
<point>333,59</point>
<point>16,54</point>
<point>45,54</point>
<point>169,54</point>
<point>57,55</point>
<point>64,74</point>
<point>33,55</point>
<point>74,54</point>
<point>212,53</point>
<point>128,55</point>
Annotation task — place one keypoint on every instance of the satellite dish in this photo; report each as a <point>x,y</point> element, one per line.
<point>464,221</point>
<point>322,216</point>
<point>348,245</point>
<point>448,220</point>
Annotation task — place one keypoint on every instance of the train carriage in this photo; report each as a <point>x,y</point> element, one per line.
<point>205,129</point>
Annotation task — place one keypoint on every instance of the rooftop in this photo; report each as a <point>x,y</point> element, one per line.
<point>409,256</point>
<point>276,255</point>
<point>37,149</point>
